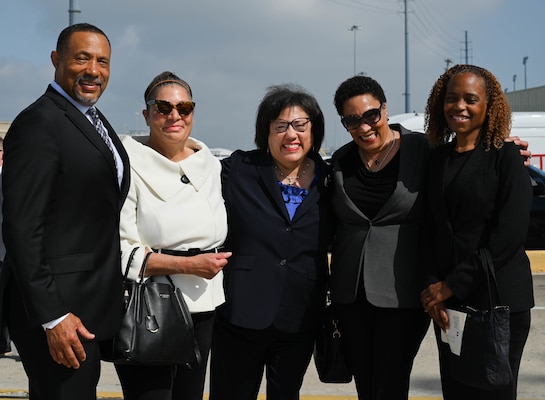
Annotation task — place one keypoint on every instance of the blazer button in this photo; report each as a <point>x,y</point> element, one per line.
<point>289,228</point>
<point>283,262</point>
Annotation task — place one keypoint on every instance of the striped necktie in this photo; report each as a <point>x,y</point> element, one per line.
<point>99,126</point>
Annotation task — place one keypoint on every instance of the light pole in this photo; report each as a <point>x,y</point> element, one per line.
<point>72,11</point>
<point>514,83</point>
<point>524,63</point>
<point>355,28</point>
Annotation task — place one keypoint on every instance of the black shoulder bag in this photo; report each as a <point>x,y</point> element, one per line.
<point>157,328</point>
<point>484,358</point>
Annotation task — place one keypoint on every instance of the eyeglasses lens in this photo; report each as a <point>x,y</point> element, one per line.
<point>183,108</point>
<point>369,117</point>
<point>298,124</point>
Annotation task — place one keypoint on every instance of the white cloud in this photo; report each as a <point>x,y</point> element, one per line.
<point>130,39</point>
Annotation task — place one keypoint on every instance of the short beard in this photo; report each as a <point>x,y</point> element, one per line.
<point>84,100</point>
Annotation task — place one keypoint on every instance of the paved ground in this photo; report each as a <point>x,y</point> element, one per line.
<point>424,382</point>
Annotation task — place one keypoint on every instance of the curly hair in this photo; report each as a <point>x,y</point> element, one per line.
<point>357,86</point>
<point>279,97</point>
<point>497,125</point>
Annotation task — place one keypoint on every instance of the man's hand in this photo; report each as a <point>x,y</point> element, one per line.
<point>64,343</point>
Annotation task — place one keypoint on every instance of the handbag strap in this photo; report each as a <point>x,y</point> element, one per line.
<point>170,281</point>
<point>144,266</point>
<point>490,276</point>
<point>129,263</point>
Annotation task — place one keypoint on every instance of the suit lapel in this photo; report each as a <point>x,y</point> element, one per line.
<point>87,129</point>
<point>408,176</point>
<point>265,170</point>
<point>125,182</point>
<point>338,180</point>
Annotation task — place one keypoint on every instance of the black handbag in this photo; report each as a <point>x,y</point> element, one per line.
<point>157,328</point>
<point>484,357</point>
<point>329,356</point>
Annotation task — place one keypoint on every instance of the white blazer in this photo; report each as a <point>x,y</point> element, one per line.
<point>163,212</point>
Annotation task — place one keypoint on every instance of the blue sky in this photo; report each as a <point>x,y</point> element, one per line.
<point>231,51</point>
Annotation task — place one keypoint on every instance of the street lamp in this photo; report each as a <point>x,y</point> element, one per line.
<point>355,28</point>
<point>524,63</point>
<point>72,11</point>
<point>514,82</point>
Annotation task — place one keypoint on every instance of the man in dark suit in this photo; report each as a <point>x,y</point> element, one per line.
<point>64,183</point>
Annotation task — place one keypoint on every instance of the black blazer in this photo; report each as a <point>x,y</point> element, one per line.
<point>61,215</point>
<point>488,206</point>
<point>383,251</point>
<point>277,273</point>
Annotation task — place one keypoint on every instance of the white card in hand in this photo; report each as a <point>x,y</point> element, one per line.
<point>453,335</point>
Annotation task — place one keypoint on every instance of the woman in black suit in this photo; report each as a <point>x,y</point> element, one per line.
<point>376,275</point>
<point>280,225</point>
<point>479,196</point>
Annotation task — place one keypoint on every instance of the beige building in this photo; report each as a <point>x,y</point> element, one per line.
<point>532,99</point>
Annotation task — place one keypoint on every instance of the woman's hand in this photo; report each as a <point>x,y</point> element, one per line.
<point>433,298</point>
<point>207,265</point>
<point>439,316</point>
<point>434,294</point>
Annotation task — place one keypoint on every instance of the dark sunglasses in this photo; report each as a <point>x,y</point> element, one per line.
<point>370,117</point>
<point>166,107</point>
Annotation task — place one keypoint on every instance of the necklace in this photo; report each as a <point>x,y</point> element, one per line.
<point>292,180</point>
<point>378,163</point>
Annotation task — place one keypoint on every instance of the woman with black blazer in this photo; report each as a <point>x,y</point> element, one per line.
<point>280,224</point>
<point>479,196</point>
<point>376,274</point>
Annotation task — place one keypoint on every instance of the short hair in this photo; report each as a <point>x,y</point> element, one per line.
<point>357,86</point>
<point>66,34</point>
<point>279,97</point>
<point>497,125</point>
<point>165,78</point>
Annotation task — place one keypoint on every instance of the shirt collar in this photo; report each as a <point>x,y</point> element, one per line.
<point>83,109</point>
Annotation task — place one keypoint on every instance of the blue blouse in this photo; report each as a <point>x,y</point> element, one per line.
<point>293,197</point>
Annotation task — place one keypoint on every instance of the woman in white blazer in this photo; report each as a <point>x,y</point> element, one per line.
<point>175,209</point>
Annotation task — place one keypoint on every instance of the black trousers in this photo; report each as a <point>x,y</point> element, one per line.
<point>240,355</point>
<point>176,382</point>
<point>48,380</point>
<point>454,390</point>
<point>381,344</point>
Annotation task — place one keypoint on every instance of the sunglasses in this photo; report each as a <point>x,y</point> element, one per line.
<point>166,107</point>
<point>298,124</point>
<point>370,117</point>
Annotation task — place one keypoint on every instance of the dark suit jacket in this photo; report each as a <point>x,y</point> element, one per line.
<point>383,251</point>
<point>61,215</point>
<point>277,273</point>
<point>488,206</point>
